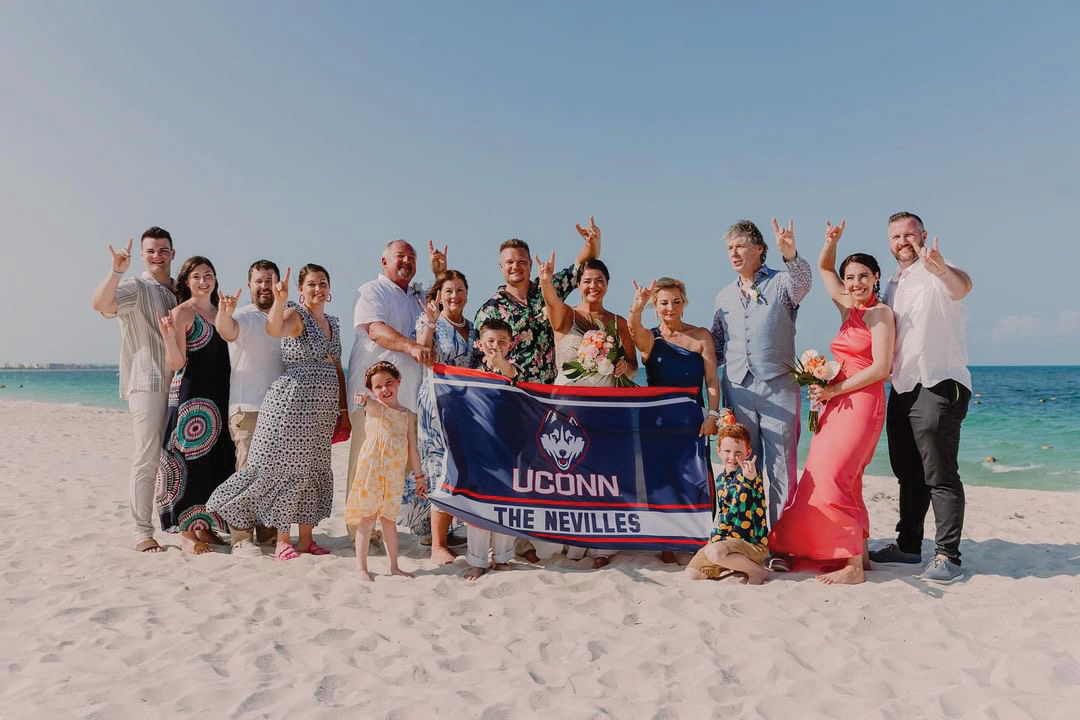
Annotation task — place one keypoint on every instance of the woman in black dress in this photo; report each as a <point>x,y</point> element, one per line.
<point>198,453</point>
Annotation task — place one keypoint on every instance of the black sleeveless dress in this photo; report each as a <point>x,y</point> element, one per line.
<point>198,453</point>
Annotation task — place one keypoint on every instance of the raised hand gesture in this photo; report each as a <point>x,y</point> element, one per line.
<point>227,303</point>
<point>167,326</point>
<point>281,288</point>
<point>749,467</point>
<point>641,296</point>
<point>785,239</point>
<point>833,232</point>
<point>121,260</point>
<point>546,270</point>
<point>591,234</point>
<point>431,310</point>
<point>438,258</point>
<point>932,259</point>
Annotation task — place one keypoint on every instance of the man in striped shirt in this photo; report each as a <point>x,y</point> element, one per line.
<point>139,303</point>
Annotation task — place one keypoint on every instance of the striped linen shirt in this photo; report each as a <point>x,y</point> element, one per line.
<point>139,303</point>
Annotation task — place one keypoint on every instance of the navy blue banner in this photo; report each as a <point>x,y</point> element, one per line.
<point>610,468</point>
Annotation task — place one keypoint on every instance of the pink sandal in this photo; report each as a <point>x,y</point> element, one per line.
<point>315,549</point>
<point>286,552</point>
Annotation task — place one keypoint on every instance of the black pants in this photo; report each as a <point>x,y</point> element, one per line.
<point>924,439</point>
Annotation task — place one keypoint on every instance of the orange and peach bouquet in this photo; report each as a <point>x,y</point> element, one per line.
<point>813,368</point>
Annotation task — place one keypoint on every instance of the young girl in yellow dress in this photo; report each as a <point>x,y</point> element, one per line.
<point>389,441</point>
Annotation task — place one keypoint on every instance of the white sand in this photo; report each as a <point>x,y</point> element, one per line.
<point>92,629</point>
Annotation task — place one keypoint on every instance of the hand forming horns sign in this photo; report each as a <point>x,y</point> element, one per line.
<point>438,257</point>
<point>833,232</point>
<point>591,234</point>
<point>121,261</point>
<point>641,296</point>
<point>227,303</point>
<point>281,289</point>
<point>785,238</point>
<point>546,270</point>
<point>932,259</point>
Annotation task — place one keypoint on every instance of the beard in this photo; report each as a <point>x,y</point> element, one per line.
<point>263,301</point>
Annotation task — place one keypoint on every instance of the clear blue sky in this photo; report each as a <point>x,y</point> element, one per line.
<point>317,132</point>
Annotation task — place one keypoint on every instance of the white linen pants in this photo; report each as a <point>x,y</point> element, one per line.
<point>148,425</point>
<point>480,541</point>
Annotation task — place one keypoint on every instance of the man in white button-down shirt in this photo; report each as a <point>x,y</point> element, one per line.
<point>384,318</point>
<point>931,387</point>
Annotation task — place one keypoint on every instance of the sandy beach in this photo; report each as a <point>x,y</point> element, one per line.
<point>92,629</point>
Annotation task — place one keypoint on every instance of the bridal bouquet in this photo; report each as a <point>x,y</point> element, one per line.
<point>813,368</point>
<point>597,355</point>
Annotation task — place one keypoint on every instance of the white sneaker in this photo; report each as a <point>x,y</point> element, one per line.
<point>246,548</point>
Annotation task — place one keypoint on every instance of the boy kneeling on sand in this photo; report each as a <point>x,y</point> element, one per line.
<point>740,537</point>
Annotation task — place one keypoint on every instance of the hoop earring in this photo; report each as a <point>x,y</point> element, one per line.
<point>329,297</point>
<point>301,298</point>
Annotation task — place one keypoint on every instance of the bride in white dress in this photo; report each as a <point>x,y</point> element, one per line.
<point>571,324</point>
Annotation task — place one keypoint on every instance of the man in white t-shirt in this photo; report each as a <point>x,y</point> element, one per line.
<point>384,318</point>
<point>931,387</point>
<point>255,357</point>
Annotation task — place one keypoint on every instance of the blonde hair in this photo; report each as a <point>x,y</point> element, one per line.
<point>667,283</point>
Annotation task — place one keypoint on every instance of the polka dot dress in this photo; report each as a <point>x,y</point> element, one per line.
<point>288,478</point>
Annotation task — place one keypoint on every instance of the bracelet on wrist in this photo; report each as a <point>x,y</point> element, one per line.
<point>118,272</point>
<point>714,414</point>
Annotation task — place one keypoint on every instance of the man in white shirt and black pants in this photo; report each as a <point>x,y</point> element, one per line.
<point>256,362</point>
<point>931,387</point>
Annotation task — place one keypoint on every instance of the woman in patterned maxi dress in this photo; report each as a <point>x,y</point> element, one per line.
<point>288,478</point>
<point>444,328</point>
<point>197,454</point>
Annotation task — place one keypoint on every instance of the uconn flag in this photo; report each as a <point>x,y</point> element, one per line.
<point>620,469</point>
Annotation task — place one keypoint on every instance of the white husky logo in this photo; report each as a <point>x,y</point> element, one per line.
<point>562,440</point>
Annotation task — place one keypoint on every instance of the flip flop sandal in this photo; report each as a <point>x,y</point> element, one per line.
<point>286,552</point>
<point>148,545</point>
<point>316,549</point>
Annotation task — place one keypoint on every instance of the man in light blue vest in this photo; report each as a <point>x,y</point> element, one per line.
<point>754,332</point>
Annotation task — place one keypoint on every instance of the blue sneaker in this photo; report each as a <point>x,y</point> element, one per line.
<point>942,571</point>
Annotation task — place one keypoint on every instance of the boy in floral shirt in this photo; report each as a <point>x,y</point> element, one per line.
<point>740,538</point>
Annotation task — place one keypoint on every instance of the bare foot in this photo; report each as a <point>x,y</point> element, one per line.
<point>148,545</point>
<point>442,555</point>
<point>847,575</point>
<point>473,573</point>
<point>757,577</point>
<point>398,571</point>
<point>208,536</point>
<point>667,556</point>
<point>531,556</point>
<point>502,566</point>
<point>599,562</point>
<point>366,576</point>
<point>190,546</point>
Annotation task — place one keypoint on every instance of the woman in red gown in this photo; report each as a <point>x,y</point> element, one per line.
<point>826,519</point>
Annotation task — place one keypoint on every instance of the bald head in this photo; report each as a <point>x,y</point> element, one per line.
<point>399,262</point>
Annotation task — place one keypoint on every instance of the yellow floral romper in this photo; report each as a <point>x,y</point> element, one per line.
<point>380,466</point>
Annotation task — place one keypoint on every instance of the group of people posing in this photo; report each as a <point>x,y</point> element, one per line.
<point>194,363</point>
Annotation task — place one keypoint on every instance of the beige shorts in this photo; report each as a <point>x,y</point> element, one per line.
<point>712,571</point>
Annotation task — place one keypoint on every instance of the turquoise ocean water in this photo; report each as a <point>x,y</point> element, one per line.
<point>1028,418</point>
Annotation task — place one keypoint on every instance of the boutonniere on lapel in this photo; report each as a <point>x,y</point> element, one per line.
<point>417,288</point>
<point>755,295</point>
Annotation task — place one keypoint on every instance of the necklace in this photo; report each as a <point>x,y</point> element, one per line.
<point>455,324</point>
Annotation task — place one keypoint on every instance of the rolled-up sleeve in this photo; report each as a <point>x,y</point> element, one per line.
<point>370,306</point>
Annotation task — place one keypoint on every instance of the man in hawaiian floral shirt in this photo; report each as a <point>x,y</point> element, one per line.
<point>520,304</point>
